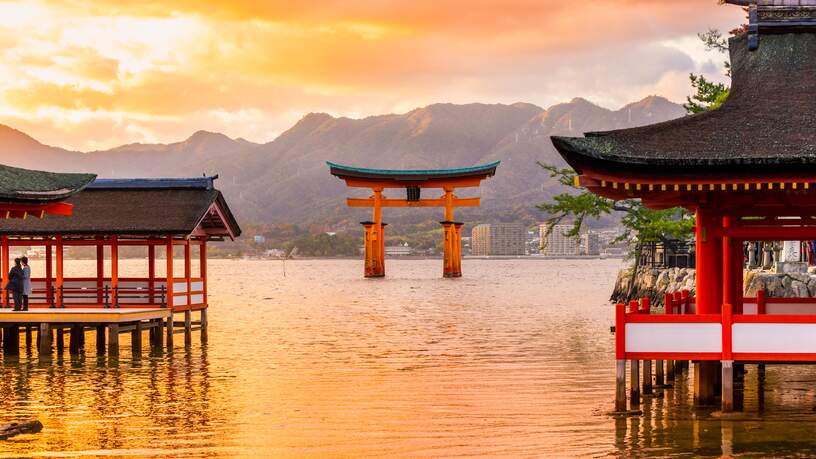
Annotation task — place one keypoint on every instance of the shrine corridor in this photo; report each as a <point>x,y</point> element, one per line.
<point>514,359</point>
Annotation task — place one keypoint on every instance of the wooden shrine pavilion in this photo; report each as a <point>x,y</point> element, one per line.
<point>413,181</point>
<point>173,215</point>
<point>748,171</point>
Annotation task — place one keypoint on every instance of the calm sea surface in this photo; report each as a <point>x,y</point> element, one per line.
<point>514,360</point>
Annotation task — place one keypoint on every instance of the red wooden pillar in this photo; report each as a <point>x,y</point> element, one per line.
<point>738,258</point>
<point>6,268</point>
<point>115,271</point>
<point>49,274</point>
<point>203,269</point>
<point>169,245</point>
<point>100,270</point>
<point>169,290</point>
<point>60,281</point>
<point>188,270</point>
<point>709,292</point>
<point>728,264</point>
<point>709,263</point>
<point>151,271</point>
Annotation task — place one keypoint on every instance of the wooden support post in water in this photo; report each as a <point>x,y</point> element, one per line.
<point>647,377</point>
<point>204,325</point>
<point>660,380</point>
<point>620,386</point>
<point>11,340</point>
<point>634,385</point>
<point>100,340</point>
<point>113,339</point>
<point>188,329</point>
<point>28,339</point>
<point>60,340</point>
<point>74,347</point>
<point>646,308</point>
<point>169,326</point>
<point>44,339</point>
<point>727,386</point>
<point>156,334</point>
<point>668,308</point>
<point>705,378</point>
<point>136,340</point>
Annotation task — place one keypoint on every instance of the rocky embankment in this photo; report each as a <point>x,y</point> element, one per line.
<point>652,283</point>
<point>655,283</point>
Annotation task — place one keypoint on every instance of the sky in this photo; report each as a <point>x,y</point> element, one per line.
<point>95,74</point>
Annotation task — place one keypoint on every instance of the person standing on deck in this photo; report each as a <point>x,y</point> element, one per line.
<point>15,284</point>
<point>26,282</point>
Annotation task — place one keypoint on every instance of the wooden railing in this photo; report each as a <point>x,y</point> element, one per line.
<point>89,292</point>
<point>769,329</point>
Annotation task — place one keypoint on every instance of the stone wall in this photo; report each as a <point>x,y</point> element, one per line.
<point>655,283</point>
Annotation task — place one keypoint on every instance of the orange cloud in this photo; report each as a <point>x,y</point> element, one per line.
<point>149,70</point>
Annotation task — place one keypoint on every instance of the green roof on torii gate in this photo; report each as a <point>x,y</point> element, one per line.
<point>342,171</point>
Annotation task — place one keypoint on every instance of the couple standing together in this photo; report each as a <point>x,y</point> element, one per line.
<point>19,283</point>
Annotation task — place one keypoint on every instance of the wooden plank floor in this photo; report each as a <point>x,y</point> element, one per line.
<point>81,315</point>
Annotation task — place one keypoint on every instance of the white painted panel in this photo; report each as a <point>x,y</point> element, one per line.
<point>197,286</point>
<point>674,337</point>
<point>179,287</point>
<point>180,300</point>
<point>749,308</point>
<point>196,299</point>
<point>789,308</point>
<point>774,338</point>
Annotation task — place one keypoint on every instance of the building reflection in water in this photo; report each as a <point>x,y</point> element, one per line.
<point>153,404</point>
<point>776,417</point>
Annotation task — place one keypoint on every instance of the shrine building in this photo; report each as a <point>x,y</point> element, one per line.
<point>748,171</point>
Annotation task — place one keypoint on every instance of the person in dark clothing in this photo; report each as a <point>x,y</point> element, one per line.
<point>15,284</point>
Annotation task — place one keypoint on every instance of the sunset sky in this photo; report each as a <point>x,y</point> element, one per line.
<point>97,73</point>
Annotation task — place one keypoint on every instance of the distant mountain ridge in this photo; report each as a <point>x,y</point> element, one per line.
<point>286,180</point>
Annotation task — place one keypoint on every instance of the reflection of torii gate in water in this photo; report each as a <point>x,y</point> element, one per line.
<point>413,181</point>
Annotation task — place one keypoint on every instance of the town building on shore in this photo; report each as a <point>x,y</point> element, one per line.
<point>748,171</point>
<point>556,243</point>
<point>498,239</point>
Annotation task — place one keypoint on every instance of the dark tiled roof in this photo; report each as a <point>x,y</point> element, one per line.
<point>23,185</point>
<point>767,125</point>
<point>142,211</point>
<point>154,183</point>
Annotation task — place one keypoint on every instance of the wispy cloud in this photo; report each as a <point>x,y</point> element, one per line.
<point>90,74</point>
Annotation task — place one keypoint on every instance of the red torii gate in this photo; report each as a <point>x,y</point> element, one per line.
<point>413,181</point>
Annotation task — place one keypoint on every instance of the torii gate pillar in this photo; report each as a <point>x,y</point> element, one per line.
<point>452,249</point>
<point>374,249</point>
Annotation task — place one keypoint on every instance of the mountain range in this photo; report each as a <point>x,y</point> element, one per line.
<point>287,180</point>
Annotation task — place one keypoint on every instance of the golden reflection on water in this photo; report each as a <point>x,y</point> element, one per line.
<point>515,360</point>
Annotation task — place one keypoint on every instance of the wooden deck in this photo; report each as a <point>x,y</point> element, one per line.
<point>83,315</point>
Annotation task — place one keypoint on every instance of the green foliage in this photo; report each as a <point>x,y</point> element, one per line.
<point>708,94</point>
<point>639,223</point>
